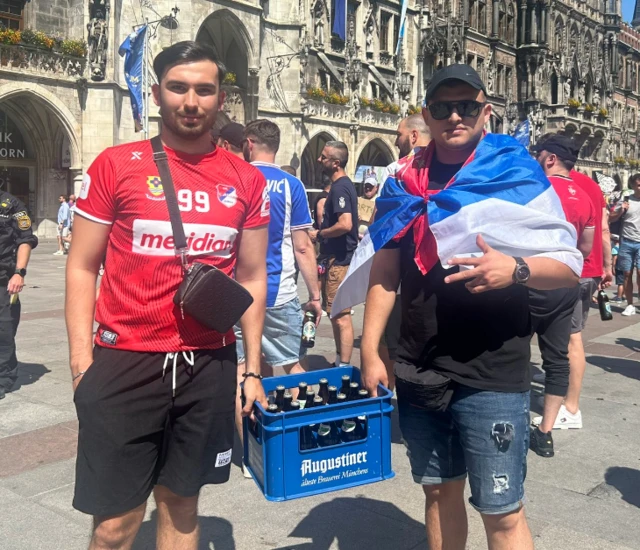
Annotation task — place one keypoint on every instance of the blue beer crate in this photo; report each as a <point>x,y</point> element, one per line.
<point>272,445</point>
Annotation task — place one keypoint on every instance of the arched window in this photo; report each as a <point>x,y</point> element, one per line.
<point>482,16</point>
<point>554,88</point>
<point>511,35</point>
<point>502,22</point>
<point>557,36</point>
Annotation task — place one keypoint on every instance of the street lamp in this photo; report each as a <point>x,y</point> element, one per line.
<point>404,83</point>
<point>354,71</point>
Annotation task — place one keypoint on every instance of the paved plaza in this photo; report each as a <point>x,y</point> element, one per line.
<point>587,496</point>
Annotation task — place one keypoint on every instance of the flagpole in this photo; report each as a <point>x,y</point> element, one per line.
<point>145,84</point>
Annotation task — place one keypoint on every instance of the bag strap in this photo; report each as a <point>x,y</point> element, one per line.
<point>162,162</point>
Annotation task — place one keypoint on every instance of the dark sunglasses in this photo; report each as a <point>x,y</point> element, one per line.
<point>441,110</point>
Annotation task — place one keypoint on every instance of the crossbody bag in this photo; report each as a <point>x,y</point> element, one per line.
<point>206,294</point>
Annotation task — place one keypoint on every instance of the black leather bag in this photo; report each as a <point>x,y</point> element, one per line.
<point>206,293</point>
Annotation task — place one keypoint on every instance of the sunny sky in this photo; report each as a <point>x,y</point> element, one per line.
<point>627,10</point>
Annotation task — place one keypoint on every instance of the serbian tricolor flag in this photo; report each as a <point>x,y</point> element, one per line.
<point>500,193</point>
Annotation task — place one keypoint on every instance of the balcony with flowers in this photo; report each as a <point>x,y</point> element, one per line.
<point>36,52</point>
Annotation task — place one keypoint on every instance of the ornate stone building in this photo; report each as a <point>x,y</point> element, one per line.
<point>567,66</point>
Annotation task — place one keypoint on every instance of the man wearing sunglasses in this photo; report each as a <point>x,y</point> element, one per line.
<point>462,364</point>
<point>338,238</point>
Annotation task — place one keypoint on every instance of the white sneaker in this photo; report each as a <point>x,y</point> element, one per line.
<point>539,378</point>
<point>324,313</point>
<point>564,421</point>
<point>629,310</point>
<point>59,253</point>
<point>245,472</point>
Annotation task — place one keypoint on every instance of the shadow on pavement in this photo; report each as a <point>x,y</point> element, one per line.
<point>215,534</point>
<point>627,482</point>
<point>633,345</point>
<point>626,367</point>
<point>356,523</point>
<point>29,373</point>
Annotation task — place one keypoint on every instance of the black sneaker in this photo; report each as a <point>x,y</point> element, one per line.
<point>541,443</point>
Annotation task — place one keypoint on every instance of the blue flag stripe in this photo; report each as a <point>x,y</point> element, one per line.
<point>512,175</point>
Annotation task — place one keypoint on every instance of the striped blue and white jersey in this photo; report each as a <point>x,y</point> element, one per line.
<point>289,212</point>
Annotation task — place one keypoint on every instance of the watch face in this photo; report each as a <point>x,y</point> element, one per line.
<point>523,273</point>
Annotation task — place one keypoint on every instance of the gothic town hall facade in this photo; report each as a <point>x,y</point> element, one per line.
<point>569,66</point>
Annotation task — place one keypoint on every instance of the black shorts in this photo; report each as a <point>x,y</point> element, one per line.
<point>134,435</point>
<point>551,315</point>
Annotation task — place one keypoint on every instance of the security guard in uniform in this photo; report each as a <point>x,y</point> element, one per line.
<point>16,241</point>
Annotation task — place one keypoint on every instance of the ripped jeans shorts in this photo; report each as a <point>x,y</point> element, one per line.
<point>483,434</point>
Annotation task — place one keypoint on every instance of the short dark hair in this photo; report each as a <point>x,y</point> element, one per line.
<point>187,51</point>
<point>568,164</point>
<point>64,197</point>
<point>342,151</point>
<point>633,178</point>
<point>265,133</point>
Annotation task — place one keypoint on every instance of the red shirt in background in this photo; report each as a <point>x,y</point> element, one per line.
<point>594,262</point>
<point>575,203</point>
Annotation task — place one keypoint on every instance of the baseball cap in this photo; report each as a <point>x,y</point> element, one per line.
<point>233,133</point>
<point>562,146</point>
<point>371,180</point>
<point>459,71</point>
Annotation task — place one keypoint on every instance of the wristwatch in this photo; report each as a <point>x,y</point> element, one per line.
<point>22,272</point>
<point>521,273</point>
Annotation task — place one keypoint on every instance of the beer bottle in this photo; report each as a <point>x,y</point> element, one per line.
<point>333,395</point>
<point>317,402</point>
<point>295,405</point>
<point>363,394</point>
<point>302,393</point>
<point>346,384</point>
<point>604,306</point>
<point>323,390</point>
<point>328,434</point>
<point>309,399</point>
<point>354,388</point>
<point>309,330</point>
<point>288,398</point>
<point>307,438</point>
<point>273,409</point>
<point>280,396</point>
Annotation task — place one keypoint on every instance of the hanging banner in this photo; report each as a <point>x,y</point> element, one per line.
<point>522,133</point>
<point>340,19</point>
<point>133,51</point>
<point>403,25</point>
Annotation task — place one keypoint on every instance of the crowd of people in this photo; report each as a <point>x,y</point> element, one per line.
<point>476,246</point>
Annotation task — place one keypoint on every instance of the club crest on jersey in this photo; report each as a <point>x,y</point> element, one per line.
<point>227,195</point>
<point>155,188</point>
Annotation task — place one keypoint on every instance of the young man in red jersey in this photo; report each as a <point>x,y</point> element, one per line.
<point>142,431</point>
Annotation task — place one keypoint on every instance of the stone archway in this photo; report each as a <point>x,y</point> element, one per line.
<point>375,153</point>
<point>233,44</point>
<point>310,172</point>
<point>46,160</point>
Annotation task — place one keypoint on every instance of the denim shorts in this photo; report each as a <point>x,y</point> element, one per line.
<point>629,255</point>
<point>483,434</point>
<point>281,337</point>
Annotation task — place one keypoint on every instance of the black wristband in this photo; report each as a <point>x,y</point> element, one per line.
<point>252,375</point>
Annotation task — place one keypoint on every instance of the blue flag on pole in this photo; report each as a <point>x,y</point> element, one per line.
<point>522,133</point>
<point>340,18</point>
<point>403,25</point>
<point>133,51</point>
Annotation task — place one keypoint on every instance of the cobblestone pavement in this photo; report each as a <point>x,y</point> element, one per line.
<point>587,496</point>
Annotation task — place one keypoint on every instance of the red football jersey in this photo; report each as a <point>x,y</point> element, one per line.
<point>219,195</point>
<point>593,263</point>
<point>575,203</point>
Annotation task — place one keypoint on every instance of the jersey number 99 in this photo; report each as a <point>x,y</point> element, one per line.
<point>186,200</point>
